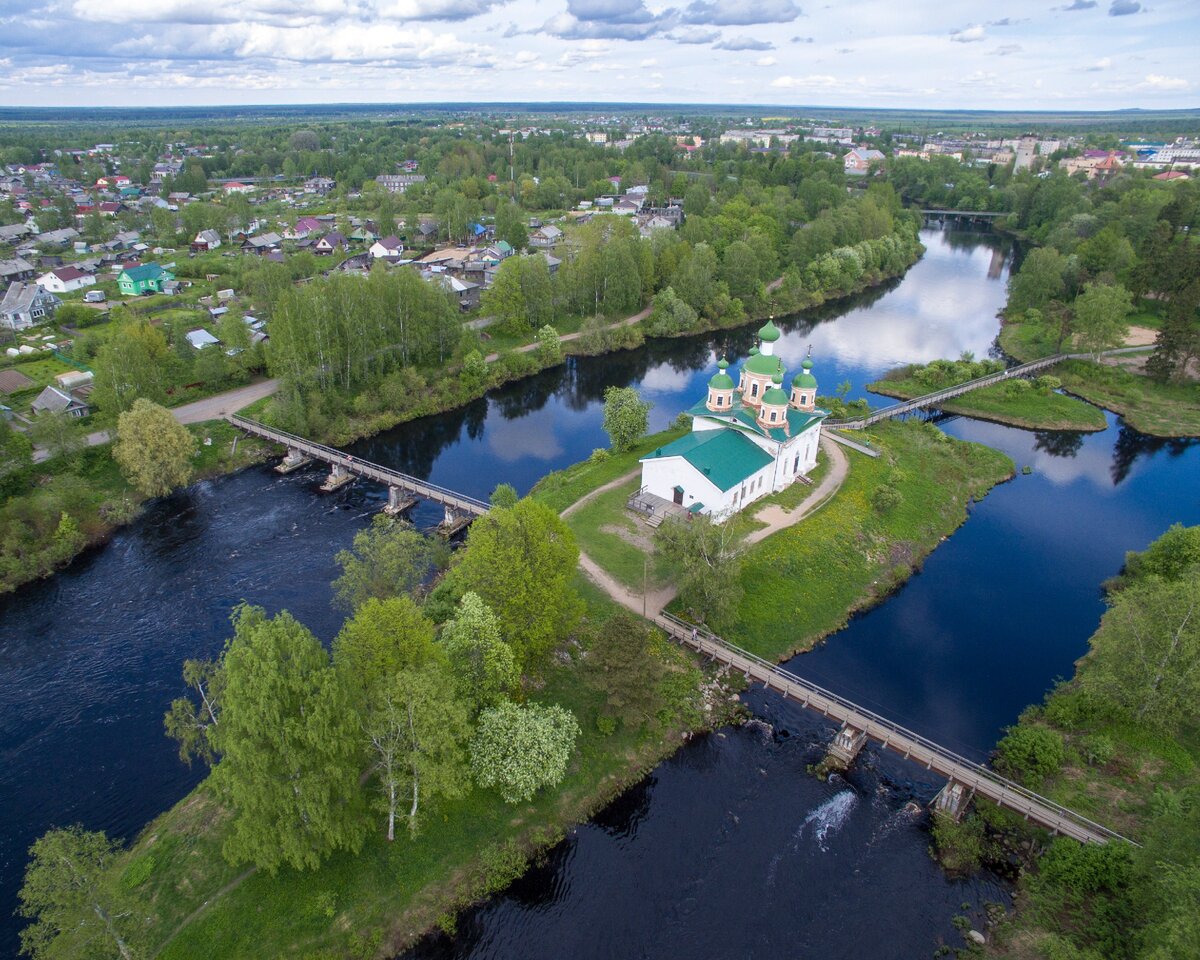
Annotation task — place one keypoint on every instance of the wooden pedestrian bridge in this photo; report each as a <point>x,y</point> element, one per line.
<point>933,400</point>
<point>403,490</point>
<point>965,778</point>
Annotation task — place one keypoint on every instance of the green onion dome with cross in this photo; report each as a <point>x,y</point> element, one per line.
<point>720,388</point>
<point>804,386</point>
<point>761,368</point>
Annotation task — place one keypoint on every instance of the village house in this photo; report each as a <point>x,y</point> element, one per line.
<point>201,338</point>
<point>545,237</point>
<point>330,243</point>
<point>206,240</point>
<point>54,401</point>
<point>236,186</point>
<point>303,228</point>
<point>748,439</point>
<point>389,248</point>
<point>26,304</point>
<point>399,182</point>
<point>319,185</point>
<point>262,244</point>
<point>18,269</point>
<point>65,280</point>
<point>858,161</point>
<point>144,278</point>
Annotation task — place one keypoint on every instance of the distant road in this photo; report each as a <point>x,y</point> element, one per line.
<point>210,408</point>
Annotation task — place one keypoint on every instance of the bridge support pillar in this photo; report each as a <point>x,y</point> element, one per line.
<point>338,477</point>
<point>294,460</point>
<point>453,522</point>
<point>399,501</point>
<point>847,743</point>
<point>952,800</point>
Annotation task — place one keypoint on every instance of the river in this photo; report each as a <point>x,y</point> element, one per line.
<point>729,848</point>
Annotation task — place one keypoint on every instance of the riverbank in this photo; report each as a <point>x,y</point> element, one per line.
<point>89,489</point>
<point>1111,744</point>
<point>804,583</point>
<point>1117,383</point>
<point>106,503</point>
<point>192,903</point>
<point>1028,407</point>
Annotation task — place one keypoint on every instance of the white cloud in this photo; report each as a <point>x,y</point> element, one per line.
<point>1158,82</point>
<point>740,13</point>
<point>810,82</point>
<point>971,34</point>
<point>744,43</point>
<point>765,61</point>
<point>694,35</point>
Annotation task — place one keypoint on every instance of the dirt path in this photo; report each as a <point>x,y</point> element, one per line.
<point>231,401</point>
<point>232,884</point>
<point>775,517</point>
<point>530,347</point>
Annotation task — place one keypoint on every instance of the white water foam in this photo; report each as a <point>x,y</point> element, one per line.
<point>825,820</point>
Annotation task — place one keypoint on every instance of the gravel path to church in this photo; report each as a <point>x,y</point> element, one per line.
<point>776,519</point>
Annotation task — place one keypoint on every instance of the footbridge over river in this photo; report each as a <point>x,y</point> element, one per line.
<point>966,778</point>
<point>938,396</point>
<point>403,490</point>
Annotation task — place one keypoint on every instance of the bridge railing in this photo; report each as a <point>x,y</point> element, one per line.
<point>341,458</point>
<point>681,627</point>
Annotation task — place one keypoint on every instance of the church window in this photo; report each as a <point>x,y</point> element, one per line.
<point>796,465</point>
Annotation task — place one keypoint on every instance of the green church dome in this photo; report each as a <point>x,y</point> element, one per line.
<point>769,332</point>
<point>754,351</point>
<point>763,365</point>
<point>722,380</point>
<point>775,397</point>
<point>805,380</point>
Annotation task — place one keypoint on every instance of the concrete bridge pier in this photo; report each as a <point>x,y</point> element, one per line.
<point>399,501</point>
<point>453,522</point>
<point>294,460</point>
<point>847,743</point>
<point>338,477</point>
<point>952,800</point>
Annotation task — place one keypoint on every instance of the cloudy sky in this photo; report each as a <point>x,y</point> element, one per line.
<point>1089,54</point>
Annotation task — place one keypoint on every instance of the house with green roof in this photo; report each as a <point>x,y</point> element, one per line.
<point>144,278</point>
<point>749,438</point>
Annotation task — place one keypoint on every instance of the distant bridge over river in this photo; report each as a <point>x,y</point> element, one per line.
<point>938,396</point>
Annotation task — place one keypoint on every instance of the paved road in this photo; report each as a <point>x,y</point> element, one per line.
<point>210,408</point>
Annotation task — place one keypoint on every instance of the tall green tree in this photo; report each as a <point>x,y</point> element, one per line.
<point>512,225</point>
<point>521,749</point>
<point>626,660</point>
<point>1102,317</point>
<point>417,727</point>
<point>132,363</point>
<point>382,638</point>
<point>289,740</point>
<point>73,907</point>
<point>153,449</point>
<point>388,559</point>
<point>190,723</point>
<point>706,557</point>
<point>626,417</point>
<point>1146,654</point>
<point>520,561</point>
<point>483,663</point>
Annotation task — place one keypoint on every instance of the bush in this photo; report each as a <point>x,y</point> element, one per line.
<point>1030,753</point>
<point>1097,749</point>
<point>886,498</point>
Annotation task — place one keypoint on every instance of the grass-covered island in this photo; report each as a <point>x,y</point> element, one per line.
<point>1120,743</point>
<point>1033,404</point>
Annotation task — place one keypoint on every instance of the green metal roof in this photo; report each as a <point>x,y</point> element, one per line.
<point>744,418</point>
<point>804,380</point>
<point>769,332</point>
<point>146,271</point>
<point>775,396</point>
<point>725,457</point>
<point>722,381</point>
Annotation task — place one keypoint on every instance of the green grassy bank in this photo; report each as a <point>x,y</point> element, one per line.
<point>1150,406</point>
<point>1026,407</point>
<point>854,550</point>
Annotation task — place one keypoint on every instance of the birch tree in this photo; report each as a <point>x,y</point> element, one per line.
<point>1146,654</point>
<point>417,729</point>
<point>72,911</point>
<point>190,723</point>
<point>706,557</point>
<point>483,663</point>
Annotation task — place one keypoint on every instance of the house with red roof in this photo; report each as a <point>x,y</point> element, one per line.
<point>235,186</point>
<point>65,280</point>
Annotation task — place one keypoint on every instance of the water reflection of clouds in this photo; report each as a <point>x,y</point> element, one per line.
<point>1092,462</point>
<point>533,436</point>
<point>665,379</point>
<point>946,305</point>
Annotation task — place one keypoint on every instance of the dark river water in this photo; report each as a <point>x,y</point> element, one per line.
<point>729,848</point>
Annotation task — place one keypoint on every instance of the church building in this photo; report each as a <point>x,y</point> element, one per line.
<point>747,440</point>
